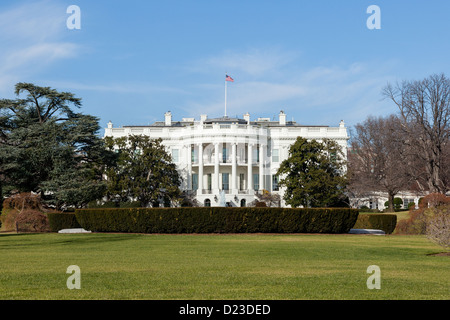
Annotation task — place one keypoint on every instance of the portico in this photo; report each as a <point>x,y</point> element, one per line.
<point>230,167</point>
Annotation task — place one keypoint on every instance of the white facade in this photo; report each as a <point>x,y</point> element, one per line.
<point>377,200</point>
<point>228,160</point>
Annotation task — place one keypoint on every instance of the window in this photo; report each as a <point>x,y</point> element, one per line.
<point>207,203</point>
<point>242,155</point>
<point>224,154</point>
<point>225,181</point>
<point>275,183</point>
<point>255,155</point>
<point>194,155</point>
<point>373,204</point>
<point>406,203</point>
<point>241,181</point>
<point>195,181</point>
<point>243,203</point>
<point>275,155</point>
<point>175,155</point>
<point>255,181</point>
<point>209,181</point>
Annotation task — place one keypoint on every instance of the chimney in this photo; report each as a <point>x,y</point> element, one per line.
<point>342,124</point>
<point>282,118</point>
<point>247,117</point>
<point>203,118</point>
<point>110,124</point>
<point>168,118</point>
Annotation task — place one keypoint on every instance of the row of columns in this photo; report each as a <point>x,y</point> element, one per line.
<point>215,180</point>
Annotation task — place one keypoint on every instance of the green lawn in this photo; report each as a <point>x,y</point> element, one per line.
<point>248,266</point>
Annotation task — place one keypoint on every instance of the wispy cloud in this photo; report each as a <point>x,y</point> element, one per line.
<point>254,62</point>
<point>320,93</point>
<point>143,88</point>
<point>32,37</point>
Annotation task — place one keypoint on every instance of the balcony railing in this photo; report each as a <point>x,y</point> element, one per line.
<point>209,161</point>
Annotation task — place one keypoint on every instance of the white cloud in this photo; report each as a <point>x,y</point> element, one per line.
<point>253,62</point>
<point>115,87</point>
<point>315,95</point>
<point>32,22</point>
<point>36,56</point>
<point>32,39</point>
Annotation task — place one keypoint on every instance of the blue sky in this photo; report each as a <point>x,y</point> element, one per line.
<point>133,60</point>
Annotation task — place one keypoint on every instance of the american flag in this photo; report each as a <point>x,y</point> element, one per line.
<point>228,78</point>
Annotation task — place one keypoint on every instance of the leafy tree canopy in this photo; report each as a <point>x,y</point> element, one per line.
<point>48,148</point>
<point>143,171</point>
<point>313,174</point>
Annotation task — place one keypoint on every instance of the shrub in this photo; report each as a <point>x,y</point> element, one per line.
<point>25,200</point>
<point>398,202</point>
<point>419,218</point>
<point>218,220</point>
<point>24,212</point>
<point>8,218</point>
<point>382,221</point>
<point>61,220</point>
<point>31,221</point>
<point>434,200</point>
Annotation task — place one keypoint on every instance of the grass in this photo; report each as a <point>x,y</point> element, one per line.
<point>246,266</point>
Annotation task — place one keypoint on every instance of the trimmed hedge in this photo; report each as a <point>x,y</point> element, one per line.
<point>59,221</point>
<point>382,221</point>
<point>218,220</point>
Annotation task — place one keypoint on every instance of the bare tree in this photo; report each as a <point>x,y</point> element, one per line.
<point>425,114</point>
<point>375,161</point>
<point>438,226</point>
<point>445,172</point>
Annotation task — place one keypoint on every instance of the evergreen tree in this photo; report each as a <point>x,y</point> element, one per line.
<point>48,148</point>
<point>314,174</point>
<point>143,171</point>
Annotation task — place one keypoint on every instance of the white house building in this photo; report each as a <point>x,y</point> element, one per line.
<point>227,161</point>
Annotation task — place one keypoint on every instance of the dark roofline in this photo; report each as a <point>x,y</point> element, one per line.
<point>225,119</point>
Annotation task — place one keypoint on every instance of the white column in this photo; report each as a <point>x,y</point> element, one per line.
<point>216,169</point>
<point>233,169</point>
<point>200,168</point>
<point>189,161</point>
<point>250,169</point>
<point>284,153</point>
<point>261,167</point>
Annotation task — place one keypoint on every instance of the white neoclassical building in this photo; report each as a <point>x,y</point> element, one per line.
<point>227,161</point>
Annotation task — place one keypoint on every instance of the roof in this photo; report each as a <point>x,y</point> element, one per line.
<point>225,119</point>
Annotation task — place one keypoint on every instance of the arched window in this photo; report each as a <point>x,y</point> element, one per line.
<point>243,203</point>
<point>207,203</point>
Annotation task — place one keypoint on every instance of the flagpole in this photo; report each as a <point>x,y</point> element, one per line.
<point>225,96</point>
